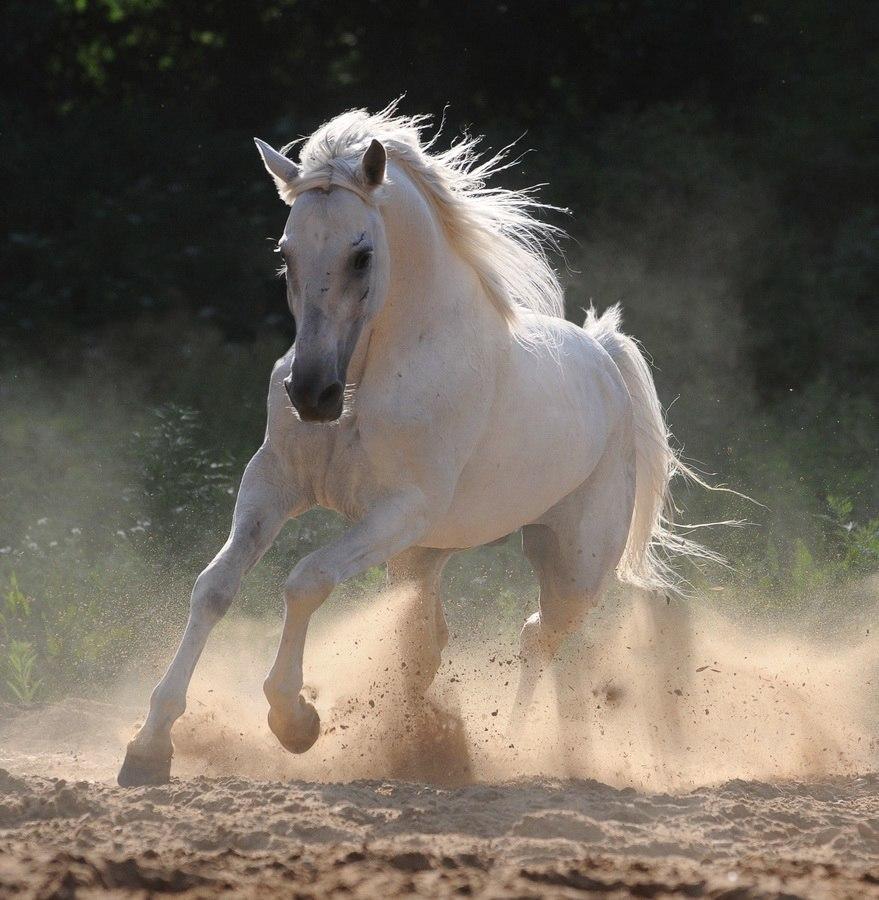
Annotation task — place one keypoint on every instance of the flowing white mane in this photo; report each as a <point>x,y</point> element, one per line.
<point>493,229</point>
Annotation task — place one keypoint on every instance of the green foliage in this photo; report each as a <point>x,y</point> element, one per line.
<point>21,681</point>
<point>173,473</point>
<point>854,547</point>
<point>810,574</point>
<point>16,607</point>
<point>18,659</point>
<point>45,646</point>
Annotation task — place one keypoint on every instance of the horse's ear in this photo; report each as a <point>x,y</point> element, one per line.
<point>282,169</point>
<point>373,164</point>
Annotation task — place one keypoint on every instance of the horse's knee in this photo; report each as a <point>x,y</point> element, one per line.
<point>307,586</point>
<point>212,596</point>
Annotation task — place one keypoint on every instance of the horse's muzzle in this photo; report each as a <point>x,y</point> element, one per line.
<point>316,402</point>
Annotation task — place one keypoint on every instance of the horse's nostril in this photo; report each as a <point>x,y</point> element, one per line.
<point>313,402</point>
<point>330,395</point>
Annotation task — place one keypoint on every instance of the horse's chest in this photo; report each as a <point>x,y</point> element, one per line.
<point>338,473</point>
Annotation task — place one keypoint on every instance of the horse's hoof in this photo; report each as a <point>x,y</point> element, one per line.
<point>140,768</point>
<point>297,731</point>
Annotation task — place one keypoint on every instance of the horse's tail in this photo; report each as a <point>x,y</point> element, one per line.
<point>652,545</point>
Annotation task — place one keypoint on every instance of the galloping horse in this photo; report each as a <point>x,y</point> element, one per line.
<point>435,396</point>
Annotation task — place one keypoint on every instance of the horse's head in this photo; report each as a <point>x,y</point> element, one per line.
<point>336,263</point>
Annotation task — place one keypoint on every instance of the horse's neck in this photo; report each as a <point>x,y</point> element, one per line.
<point>432,291</point>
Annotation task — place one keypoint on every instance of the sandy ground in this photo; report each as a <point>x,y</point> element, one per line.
<point>697,760</point>
<point>209,836</point>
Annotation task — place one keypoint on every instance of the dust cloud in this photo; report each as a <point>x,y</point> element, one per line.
<point>651,696</point>
<point>654,696</point>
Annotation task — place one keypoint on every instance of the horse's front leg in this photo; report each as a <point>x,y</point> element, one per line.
<point>265,501</point>
<point>389,527</point>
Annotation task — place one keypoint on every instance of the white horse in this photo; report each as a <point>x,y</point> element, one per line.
<point>436,397</point>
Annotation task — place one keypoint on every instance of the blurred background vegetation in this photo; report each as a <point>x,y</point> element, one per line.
<point>721,162</point>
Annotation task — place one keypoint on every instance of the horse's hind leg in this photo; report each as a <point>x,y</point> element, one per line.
<point>264,503</point>
<point>574,549</point>
<point>422,629</point>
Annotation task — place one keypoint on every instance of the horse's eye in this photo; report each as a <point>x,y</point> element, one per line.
<point>361,261</point>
